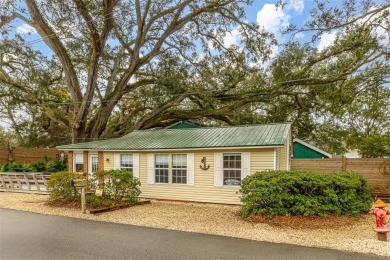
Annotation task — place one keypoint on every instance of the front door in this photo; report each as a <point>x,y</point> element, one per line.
<point>93,163</point>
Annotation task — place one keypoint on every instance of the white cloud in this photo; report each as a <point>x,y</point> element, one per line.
<point>25,29</point>
<point>381,31</point>
<point>273,19</point>
<point>299,35</point>
<point>297,5</point>
<point>199,58</point>
<point>327,40</point>
<point>133,79</point>
<point>229,39</point>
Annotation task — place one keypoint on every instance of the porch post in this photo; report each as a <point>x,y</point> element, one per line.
<point>100,161</point>
<point>85,161</point>
<point>70,161</point>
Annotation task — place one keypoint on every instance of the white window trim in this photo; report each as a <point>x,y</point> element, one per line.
<point>90,155</point>
<point>151,174</point>
<point>74,160</point>
<point>117,162</point>
<point>170,172</point>
<point>169,166</point>
<point>277,156</point>
<point>218,168</point>
<point>274,159</point>
<point>120,162</point>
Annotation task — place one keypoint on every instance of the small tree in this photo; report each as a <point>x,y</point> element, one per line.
<point>375,146</point>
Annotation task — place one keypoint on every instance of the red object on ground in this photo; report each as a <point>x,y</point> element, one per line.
<point>380,216</point>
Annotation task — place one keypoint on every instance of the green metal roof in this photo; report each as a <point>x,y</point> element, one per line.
<point>183,124</point>
<point>205,137</point>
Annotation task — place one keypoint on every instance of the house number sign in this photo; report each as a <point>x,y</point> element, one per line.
<point>203,165</point>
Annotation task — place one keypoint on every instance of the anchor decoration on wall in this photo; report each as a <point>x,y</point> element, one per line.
<point>204,167</point>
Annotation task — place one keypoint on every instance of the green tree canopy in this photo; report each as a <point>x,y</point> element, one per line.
<point>117,66</point>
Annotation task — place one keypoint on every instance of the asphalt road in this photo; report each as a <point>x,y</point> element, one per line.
<point>26,235</point>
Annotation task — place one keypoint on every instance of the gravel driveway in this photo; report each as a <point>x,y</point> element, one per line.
<point>215,219</point>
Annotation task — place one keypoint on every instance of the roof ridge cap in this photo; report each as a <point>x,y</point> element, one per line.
<point>211,127</point>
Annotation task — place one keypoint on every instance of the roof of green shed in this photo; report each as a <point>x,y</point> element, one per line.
<point>205,137</point>
<point>183,124</point>
<point>306,154</point>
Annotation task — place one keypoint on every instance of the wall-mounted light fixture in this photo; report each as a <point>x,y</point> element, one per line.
<point>107,160</point>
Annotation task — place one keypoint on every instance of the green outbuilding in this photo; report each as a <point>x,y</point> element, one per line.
<point>303,150</point>
<point>184,125</point>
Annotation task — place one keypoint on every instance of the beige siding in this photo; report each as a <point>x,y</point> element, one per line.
<point>203,189</point>
<point>285,155</point>
<point>108,165</point>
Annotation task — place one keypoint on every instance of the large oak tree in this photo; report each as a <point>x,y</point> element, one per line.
<point>106,52</point>
<point>118,66</point>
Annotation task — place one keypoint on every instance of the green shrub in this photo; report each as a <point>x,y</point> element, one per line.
<point>27,167</point>
<point>55,166</point>
<point>60,187</point>
<point>118,185</point>
<point>94,201</point>
<point>38,167</point>
<point>304,193</point>
<point>49,166</point>
<point>11,167</point>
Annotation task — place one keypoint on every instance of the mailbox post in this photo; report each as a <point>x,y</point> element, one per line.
<point>81,184</point>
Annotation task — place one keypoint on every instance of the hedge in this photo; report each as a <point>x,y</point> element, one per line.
<point>60,187</point>
<point>48,166</point>
<point>117,186</point>
<point>304,193</point>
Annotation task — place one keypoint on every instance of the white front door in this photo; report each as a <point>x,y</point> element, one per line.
<point>93,164</point>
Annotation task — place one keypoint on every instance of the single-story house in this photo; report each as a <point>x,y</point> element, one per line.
<point>303,150</point>
<point>191,164</point>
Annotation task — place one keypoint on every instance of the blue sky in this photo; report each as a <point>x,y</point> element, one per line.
<point>263,12</point>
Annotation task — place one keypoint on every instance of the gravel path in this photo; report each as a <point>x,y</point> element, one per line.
<point>215,219</point>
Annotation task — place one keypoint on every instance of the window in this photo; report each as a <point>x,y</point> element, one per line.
<point>94,163</point>
<point>161,168</point>
<point>78,162</point>
<point>126,162</point>
<point>175,169</point>
<point>179,168</point>
<point>232,169</point>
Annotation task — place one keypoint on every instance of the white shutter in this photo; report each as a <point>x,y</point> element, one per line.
<point>246,165</point>
<point>150,168</point>
<point>117,161</point>
<point>136,165</point>
<point>274,158</point>
<point>190,169</point>
<point>218,171</point>
<point>170,168</point>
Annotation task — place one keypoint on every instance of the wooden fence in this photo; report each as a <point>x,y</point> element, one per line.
<point>376,171</point>
<point>24,182</point>
<point>27,155</point>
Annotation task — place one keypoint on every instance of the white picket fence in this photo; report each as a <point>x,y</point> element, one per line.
<point>29,182</point>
